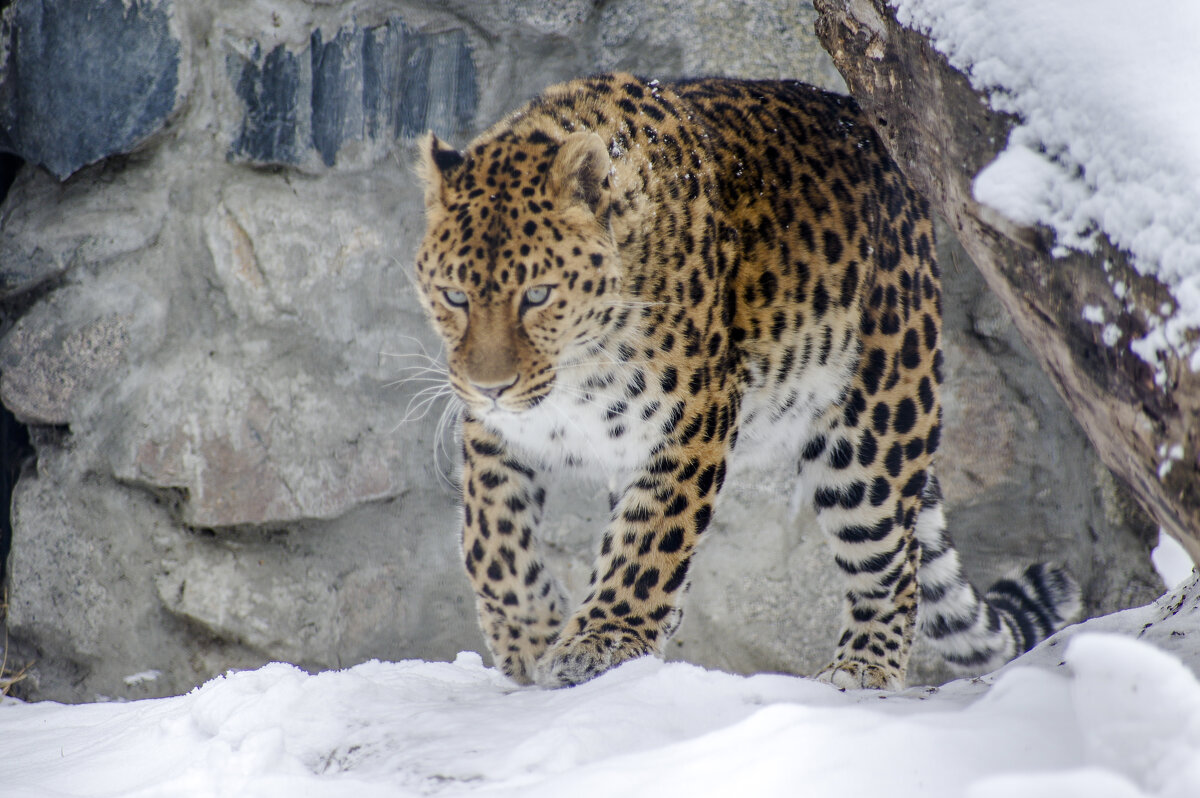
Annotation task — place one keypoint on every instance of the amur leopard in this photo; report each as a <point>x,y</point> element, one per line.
<point>651,282</point>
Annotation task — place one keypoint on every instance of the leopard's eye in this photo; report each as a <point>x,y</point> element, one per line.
<point>536,296</point>
<point>455,298</point>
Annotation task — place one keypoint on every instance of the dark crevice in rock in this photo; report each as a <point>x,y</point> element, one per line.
<point>9,165</point>
<point>15,451</point>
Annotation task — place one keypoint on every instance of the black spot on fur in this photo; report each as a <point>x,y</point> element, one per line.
<point>849,285</point>
<point>813,449</point>
<point>669,380</point>
<point>676,580</point>
<point>910,351</point>
<point>820,299</point>
<point>833,247</point>
<point>872,373</point>
<point>880,417</point>
<point>915,485</point>
<point>906,415</point>
<point>842,454</point>
<point>672,541</point>
<point>935,438</point>
<point>647,580</point>
<point>925,394</point>
<point>868,448</point>
<point>447,159</point>
<point>880,490</point>
<point>894,460</point>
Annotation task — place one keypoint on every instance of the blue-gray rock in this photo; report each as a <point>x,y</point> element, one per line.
<point>372,84</point>
<point>271,92</point>
<point>82,81</point>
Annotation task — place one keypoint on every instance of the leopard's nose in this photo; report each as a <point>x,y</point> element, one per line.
<point>493,391</point>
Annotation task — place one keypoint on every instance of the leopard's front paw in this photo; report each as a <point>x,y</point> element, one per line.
<point>578,658</point>
<point>854,675</point>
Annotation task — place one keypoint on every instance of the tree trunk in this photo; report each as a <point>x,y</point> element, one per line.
<point>942,133</point>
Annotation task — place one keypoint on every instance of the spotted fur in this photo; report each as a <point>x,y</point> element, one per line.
<point>655,282</point>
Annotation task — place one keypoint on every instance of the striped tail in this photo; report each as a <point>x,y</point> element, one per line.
<point>976,635</point>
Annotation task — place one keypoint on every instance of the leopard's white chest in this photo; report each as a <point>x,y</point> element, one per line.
<point>602,426</point>
<point>606,421</point>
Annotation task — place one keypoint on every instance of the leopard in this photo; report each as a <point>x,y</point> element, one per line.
<point>657,284</point>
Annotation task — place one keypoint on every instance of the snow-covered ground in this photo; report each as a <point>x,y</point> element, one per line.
<point>1109,709</point>
<point>1094,712</point>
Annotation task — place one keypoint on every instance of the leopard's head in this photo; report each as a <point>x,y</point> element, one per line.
<point>519,269</point>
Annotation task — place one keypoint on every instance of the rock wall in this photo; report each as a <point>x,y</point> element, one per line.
<point>210,333</point>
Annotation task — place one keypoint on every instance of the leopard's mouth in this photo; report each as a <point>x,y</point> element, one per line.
<point>515,404</point>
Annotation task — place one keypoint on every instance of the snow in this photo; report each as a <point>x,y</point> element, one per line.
<point>1171,560</point>
<point>1094,711</point>
<point>142,677</point>
<point>1169,455</point>
<point>1108,97</point>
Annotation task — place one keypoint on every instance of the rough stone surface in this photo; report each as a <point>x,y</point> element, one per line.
<point>943,133</point>
<point>216,346</point>
<point>82,81</point>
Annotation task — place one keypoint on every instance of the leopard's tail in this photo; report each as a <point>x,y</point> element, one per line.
<point>978,634</point>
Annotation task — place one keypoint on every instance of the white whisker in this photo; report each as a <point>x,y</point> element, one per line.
<point>421,345</point>
<point>440,379</point>
<point>421,403</point>
<point>451,412</point>
<point>406,268</point>
<point>428,377</point>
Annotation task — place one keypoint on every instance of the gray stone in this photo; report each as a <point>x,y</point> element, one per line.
<point>723,37</point>
<point>80,82</point>
<point>44,368</point>
<point>108,585</point>
<point>235,402</point>
<point>108,219</point>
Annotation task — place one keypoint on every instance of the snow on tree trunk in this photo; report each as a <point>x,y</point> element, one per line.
<point>1078,311</point>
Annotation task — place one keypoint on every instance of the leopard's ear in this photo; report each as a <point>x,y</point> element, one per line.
<point>579,170</point>
<point>437,161</point>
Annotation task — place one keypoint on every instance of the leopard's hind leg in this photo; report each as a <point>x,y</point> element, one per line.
<point>867,507</point>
